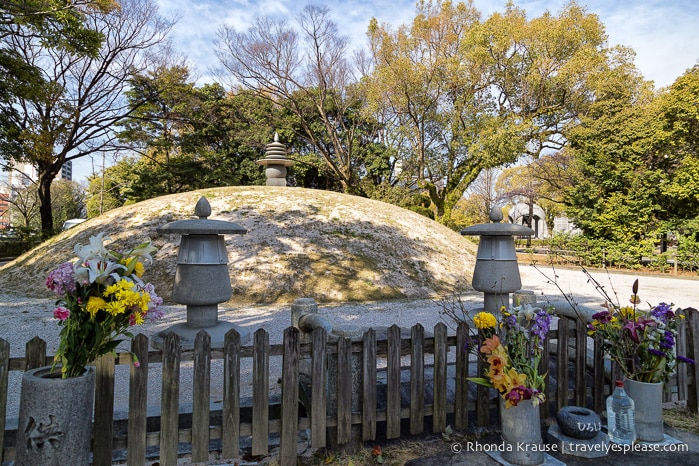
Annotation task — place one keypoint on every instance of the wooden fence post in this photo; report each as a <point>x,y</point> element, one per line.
<point>369,385</point>
<point>104,411</point>
<point>290,397</point>
<point>319,387</point>
<point>580,363</point>
<point>393,383</point>
<point>4,381</point>
<point>545,407</point>
<point>598,376</point>
<point>170,403</point>
<point>482,397</point>
<point>461,392</point>
<point>260,396</point>
<point>138,398</point>
<point>35,354</point>
<point>562,360</point>
<point>417,379</point>
<point>692,352</point>
<point>439,402</point>
<point>344,390</point>
<point>201,393</point>
<point>231,395</point>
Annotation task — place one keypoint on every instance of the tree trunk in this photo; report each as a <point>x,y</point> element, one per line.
<point>529,222</point>
<point>46,177</point>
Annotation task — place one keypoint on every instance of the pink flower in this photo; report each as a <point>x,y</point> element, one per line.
<point>61,313</point>
<point>136,364</point>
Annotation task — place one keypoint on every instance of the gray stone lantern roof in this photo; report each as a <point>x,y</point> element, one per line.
<point>496,228</point>
<point>202,225</point>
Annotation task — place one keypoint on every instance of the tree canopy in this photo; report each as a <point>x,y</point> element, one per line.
<point>73,113</point>
<point>464,95</point>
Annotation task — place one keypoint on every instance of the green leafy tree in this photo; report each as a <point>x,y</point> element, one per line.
<point>68,200</point>
<point>112,187</point>
<point>636,166</point>
<point>74,114</point>
<point>466,95</point>
<point>189,138</point>
<point>59,24</point>
<point>434,101</point>
<point>679,144</point>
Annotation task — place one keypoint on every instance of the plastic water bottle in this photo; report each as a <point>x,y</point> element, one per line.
<point>620,416</point>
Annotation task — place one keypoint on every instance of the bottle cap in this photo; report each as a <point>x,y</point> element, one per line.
<point>620,383</point>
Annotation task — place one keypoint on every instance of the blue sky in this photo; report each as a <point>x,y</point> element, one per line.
<point>662,32</point>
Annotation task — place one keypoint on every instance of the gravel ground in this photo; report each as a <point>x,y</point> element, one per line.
<point>25,318</point>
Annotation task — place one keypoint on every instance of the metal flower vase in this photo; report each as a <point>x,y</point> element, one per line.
<point>521,433</point>
<point>55,418</point>
<point>648,399</point>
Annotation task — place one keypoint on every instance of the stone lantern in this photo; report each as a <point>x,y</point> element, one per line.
<point>201,277</point>
<point>496,273</point>
<point>276,162</point>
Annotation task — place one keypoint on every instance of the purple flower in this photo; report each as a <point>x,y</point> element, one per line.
<point>668,342</point>
<point>603,317</point>
<point>656,352</point>
<point>542,322</point>
<point>686,359</point>
<point>518,394</point>
<point>61,280</point>
<point>471,343</point>
<point>640,325</point>
<point>663,312</point>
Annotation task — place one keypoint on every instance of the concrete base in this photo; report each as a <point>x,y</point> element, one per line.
<point>593,448</point>
<point>548,459</point>
<point>188,334</point>
<point>667,440</point>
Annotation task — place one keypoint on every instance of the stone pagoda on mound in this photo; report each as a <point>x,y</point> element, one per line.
<point>275,162</point>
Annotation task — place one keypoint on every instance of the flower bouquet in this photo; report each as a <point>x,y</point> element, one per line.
<point>102,295</point>
<point>511,350</point>
<point>641,342</point>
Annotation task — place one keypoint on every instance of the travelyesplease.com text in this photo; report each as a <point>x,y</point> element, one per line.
<point>606,447</point>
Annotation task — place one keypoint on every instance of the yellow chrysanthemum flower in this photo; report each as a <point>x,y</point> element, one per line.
<point>484,320</point>
<point>137,318</point>
<point>143,301</point>
<point>95,304</point>
<point>116,308</point>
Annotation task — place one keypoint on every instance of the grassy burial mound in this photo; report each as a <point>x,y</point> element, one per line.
<point>300,243</point>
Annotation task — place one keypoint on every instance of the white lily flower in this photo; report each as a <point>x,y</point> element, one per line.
<point>93,250</point>
<point>98,271</point>
<point>143,251</point>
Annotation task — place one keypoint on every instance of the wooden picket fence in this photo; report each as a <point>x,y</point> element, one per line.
<point>589,387</point>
